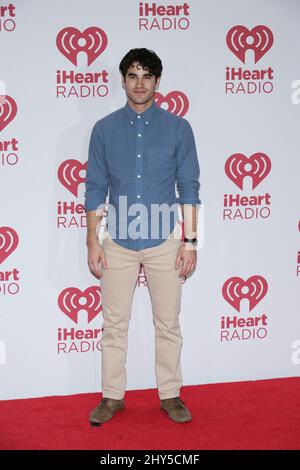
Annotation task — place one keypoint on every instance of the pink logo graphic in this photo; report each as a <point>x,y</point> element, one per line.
<point>9,241</point>
<point>239,40</point>
<point>235,289</point>
<point>69,175</point>
<point>70,41</point>
<point>238,166</point>
<point>177,102</point>
<point>8,110</point>
<point>71,300</point>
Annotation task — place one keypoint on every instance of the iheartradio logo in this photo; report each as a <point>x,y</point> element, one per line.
<point>177,102</point>
<point>238,166</point>
<point>70,41</point>
<point>71,300</point>
<point>9,241</point>
<point>8,110</point>
<point>240,39</point>
<point>235,289</point>
<point>69,175</point>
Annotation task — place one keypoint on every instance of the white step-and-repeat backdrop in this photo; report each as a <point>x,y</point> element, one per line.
<point>232,68</point>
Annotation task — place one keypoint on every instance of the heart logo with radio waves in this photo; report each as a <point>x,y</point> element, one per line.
<point>69,175</point>
<point>177,102</point>
<point>8,110</point>
<point>71,300</point>
<point>9,241</point>
<point>235,289</point>
<point>240,39</point>
<point>70,41</point>
<point>238,166</point>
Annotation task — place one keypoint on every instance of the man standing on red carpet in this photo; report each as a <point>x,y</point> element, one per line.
<point>139,153</point>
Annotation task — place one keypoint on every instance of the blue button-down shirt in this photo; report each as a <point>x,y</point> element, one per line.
<point>140,158</point>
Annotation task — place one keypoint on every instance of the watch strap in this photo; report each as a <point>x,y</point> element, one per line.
<point>190,240</point>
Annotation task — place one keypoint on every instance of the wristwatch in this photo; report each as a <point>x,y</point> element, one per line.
<point>193,241</point>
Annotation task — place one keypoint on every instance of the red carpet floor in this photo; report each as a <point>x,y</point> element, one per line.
<point>262,414</point>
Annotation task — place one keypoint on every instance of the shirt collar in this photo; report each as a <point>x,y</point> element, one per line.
<point>146,115</point>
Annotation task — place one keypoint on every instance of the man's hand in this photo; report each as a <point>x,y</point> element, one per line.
<point>96,255</point>
<point>187,255</point>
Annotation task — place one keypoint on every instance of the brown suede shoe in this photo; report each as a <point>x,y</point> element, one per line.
<point>105,410</point>
<point>176,409</point>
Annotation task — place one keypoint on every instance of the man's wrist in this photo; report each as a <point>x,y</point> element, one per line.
<point>92,240</point>
<point>189,233</point>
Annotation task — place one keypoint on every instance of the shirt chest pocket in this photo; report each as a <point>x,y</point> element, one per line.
<point>160,163</point>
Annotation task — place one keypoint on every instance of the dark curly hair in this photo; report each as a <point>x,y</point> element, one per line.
<point>145,57</point>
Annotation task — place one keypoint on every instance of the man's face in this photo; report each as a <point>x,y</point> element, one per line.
<point>139,84</point>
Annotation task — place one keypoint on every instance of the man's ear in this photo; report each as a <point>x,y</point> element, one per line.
<point>123,82</point>
<point>157,83</point>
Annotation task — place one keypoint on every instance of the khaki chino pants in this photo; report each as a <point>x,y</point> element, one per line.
<point>117,289</point>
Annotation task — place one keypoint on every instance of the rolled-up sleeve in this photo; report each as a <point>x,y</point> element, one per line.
<point>188,169</point>
<point>96,183</point>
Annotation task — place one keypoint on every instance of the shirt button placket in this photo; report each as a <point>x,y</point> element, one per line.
<point>139,154</point>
